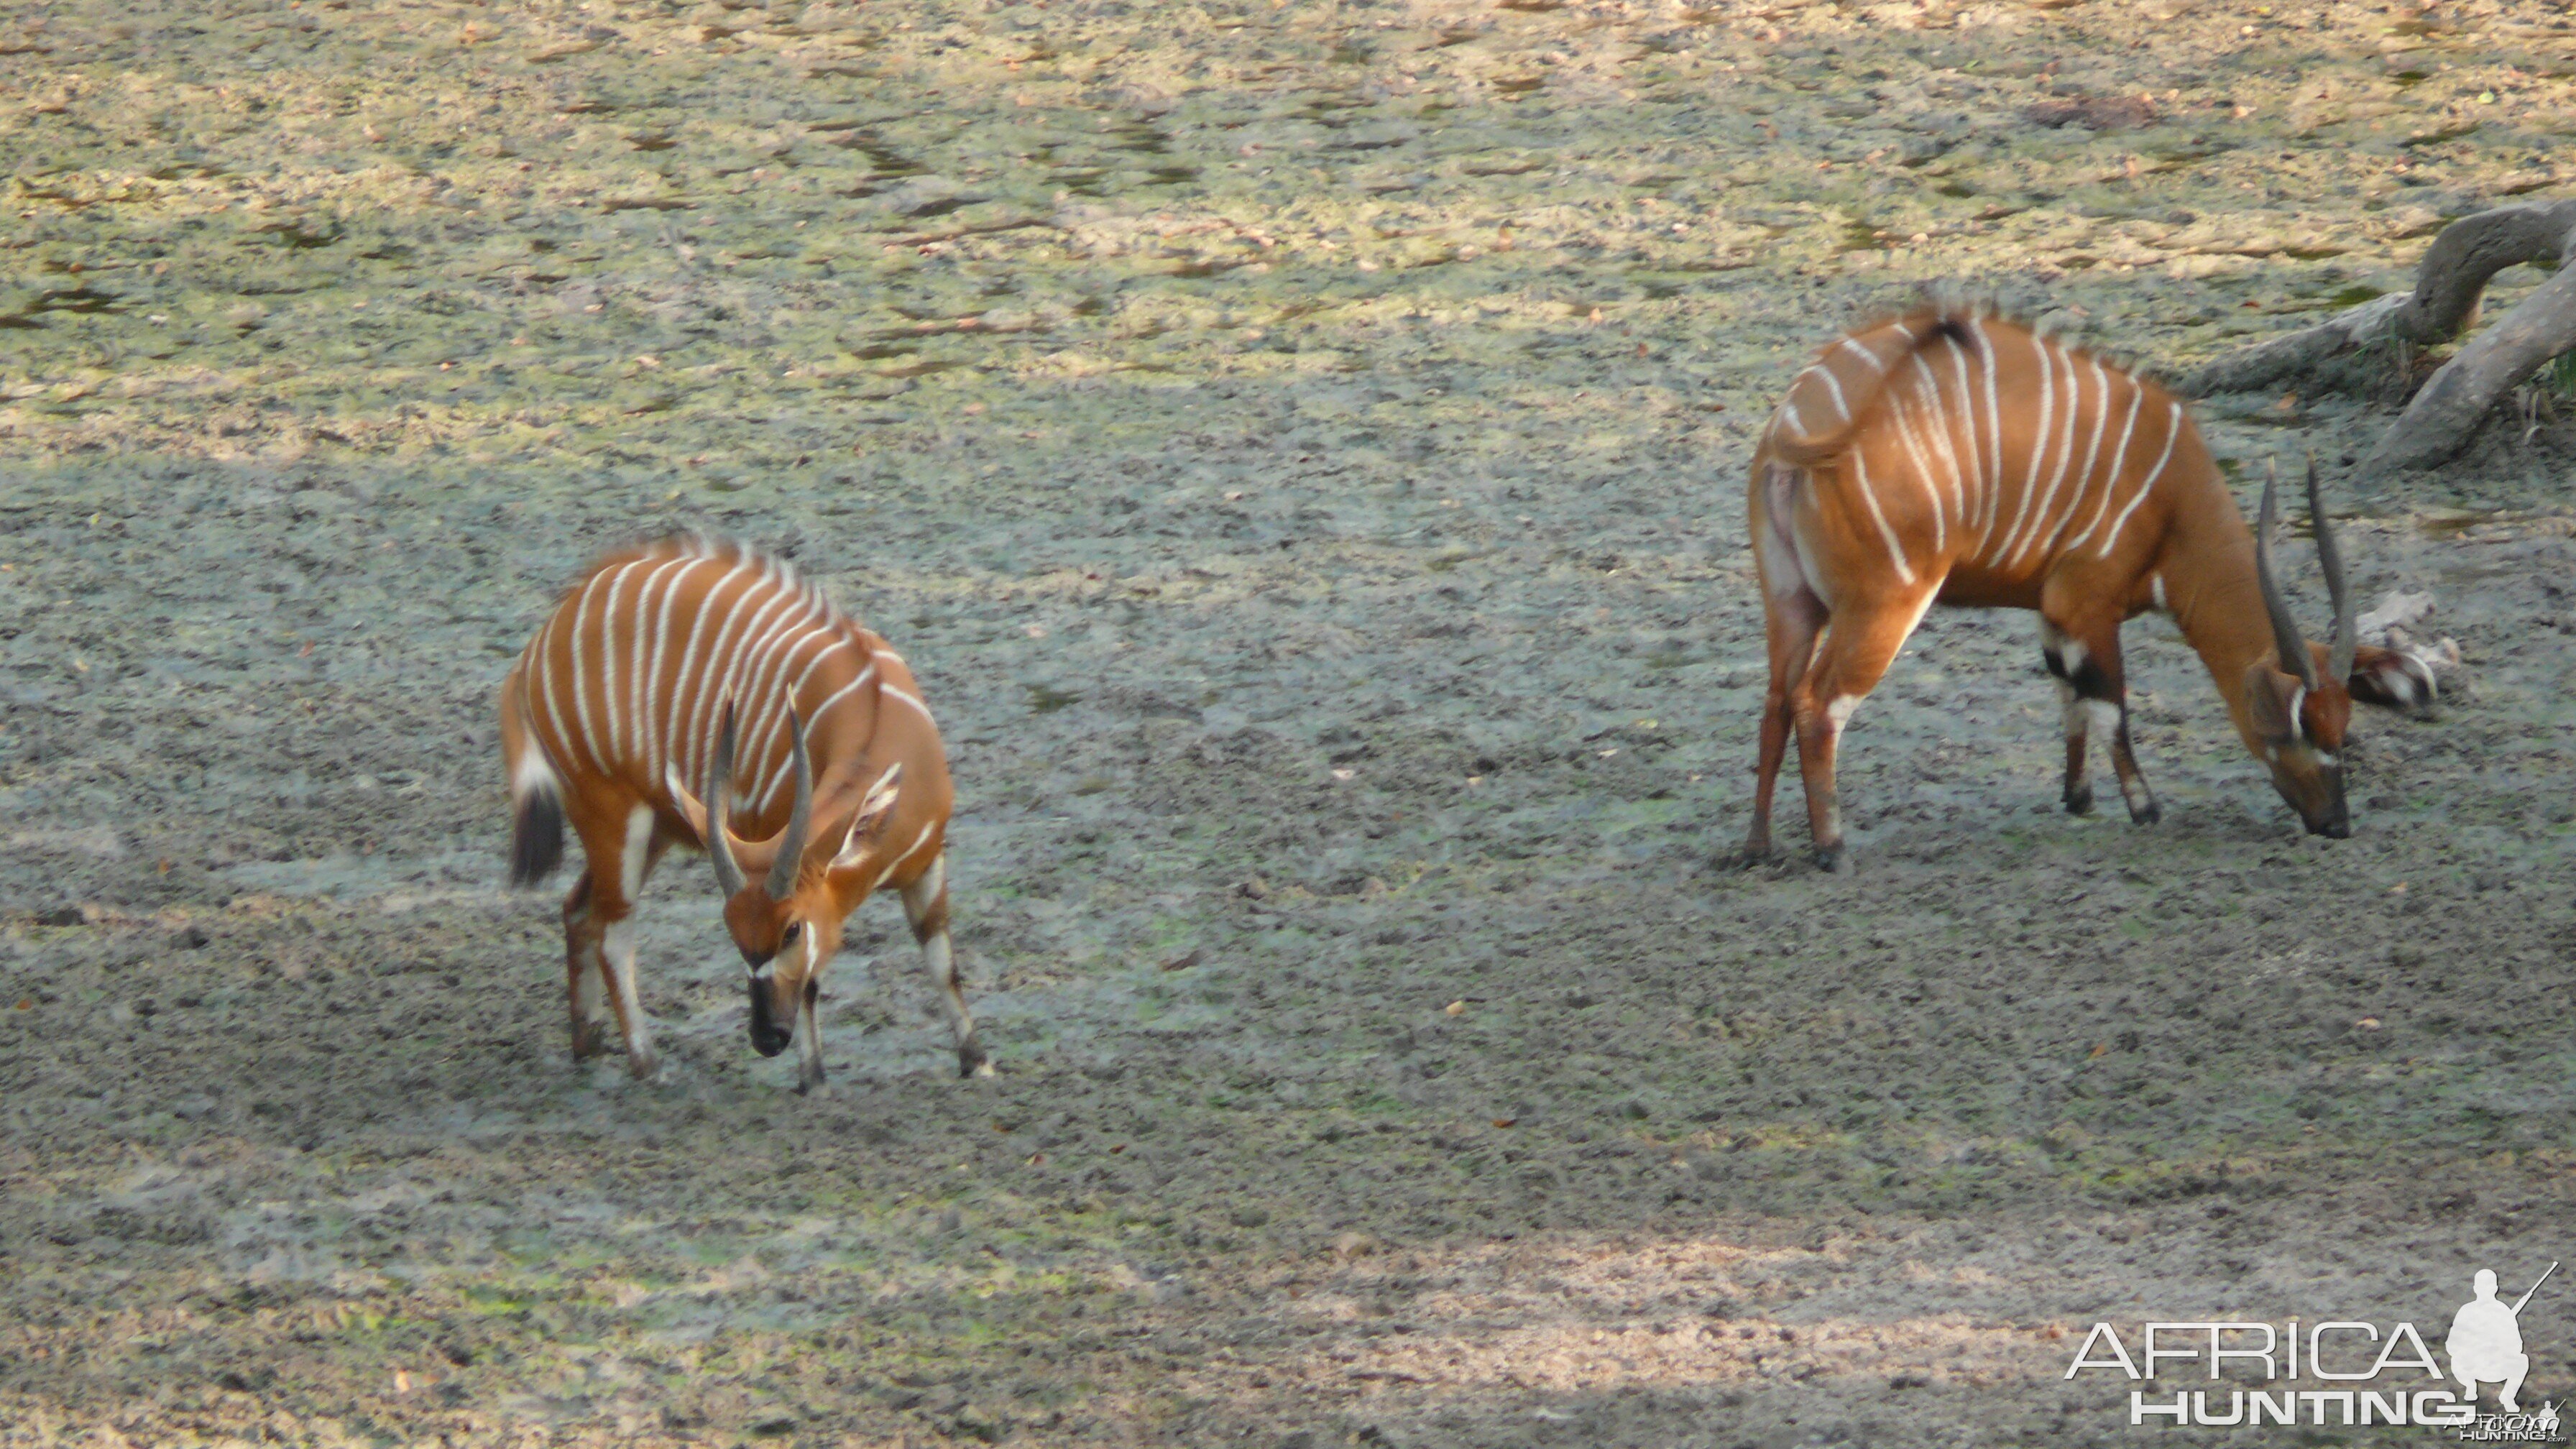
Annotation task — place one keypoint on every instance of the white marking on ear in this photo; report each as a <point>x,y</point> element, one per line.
<point>873,809</point>
<point>2416,672</point>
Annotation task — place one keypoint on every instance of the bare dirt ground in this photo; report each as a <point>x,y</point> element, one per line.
<point>1299,447</point>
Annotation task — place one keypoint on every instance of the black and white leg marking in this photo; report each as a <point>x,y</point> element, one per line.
<point>809,1030</point>
<point>2063,656</point>
<point>925,905</point>
<point>2095,700</point>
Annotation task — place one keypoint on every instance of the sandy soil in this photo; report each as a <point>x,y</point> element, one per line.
<point>1299,448</point>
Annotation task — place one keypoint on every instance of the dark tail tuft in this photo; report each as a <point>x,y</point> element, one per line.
<point>536,838</point>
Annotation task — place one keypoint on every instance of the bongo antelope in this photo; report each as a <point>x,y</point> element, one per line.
<point>675,661</point>
<point>1953,457</point>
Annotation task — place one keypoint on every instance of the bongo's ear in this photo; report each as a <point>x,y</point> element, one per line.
<point>873,810</point>
<point>2393,679</point>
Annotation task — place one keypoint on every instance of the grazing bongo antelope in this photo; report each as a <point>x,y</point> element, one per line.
<point>1952,457</point>
<point>661,665</point>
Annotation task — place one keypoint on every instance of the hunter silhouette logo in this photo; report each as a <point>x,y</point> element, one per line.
<point>2486,1340</point>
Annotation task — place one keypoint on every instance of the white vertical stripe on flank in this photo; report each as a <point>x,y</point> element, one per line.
<point>1841,408</point>
<point>1789,415</point>
<point>2071,418</point>
<point>581,673</point>
<point>1994,433</point>
<point>658,638</point>
<point>639,680</point>
<point>1964,416</point>
<point>840,641</point>
<point>610,612</point>
<point>1936,421</point>
<point>732,656</point>
<point>1876,362</point>
<point>2173,431</point>
<point>763,718</point>
<point>2042,512</point>
<point>760,653</point>
<point>2092,453</point>
<point>698,696</point>
<point>1869,496</point>
<point>785,640</point>
<point>829,631</point>
<point>900,693</point>
<point>858,682</point>
<point>1936,424</point>
<point>681,745</point>
<point>538,681</point>
<point>770,713</point>
<point>2117,463</point>
<point>1922,460</point>
<point>659,701</point>
<point>917,842</point>
<point>2038,448</point>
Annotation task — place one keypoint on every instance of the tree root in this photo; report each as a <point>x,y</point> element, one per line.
<point>2448,283</point>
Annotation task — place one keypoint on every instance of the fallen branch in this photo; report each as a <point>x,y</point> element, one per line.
<point>2448,283</point>
<point>2447,409</point>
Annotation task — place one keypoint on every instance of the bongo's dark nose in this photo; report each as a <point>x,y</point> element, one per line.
<point>769,1035</point>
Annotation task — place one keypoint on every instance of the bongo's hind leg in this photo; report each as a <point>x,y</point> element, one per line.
<point>1864,637</point>
<point>1792,616</point>
<point>621,849</point>
<point>582,972</point>
<point>1792,624</point>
